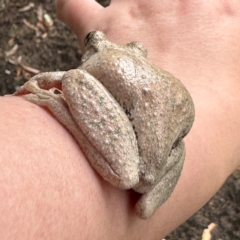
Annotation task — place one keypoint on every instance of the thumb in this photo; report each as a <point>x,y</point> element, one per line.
<point>79,15</point>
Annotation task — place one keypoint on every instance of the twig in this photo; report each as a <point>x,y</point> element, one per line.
<point>23,66</point>
<point>26,8</point>
<point>28,24</point>
<point>207,232</point>
<point>12,51</point>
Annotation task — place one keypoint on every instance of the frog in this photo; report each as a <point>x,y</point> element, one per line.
<point>128,116</point>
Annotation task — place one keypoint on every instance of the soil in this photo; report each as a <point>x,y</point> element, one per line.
<point>29,45</point>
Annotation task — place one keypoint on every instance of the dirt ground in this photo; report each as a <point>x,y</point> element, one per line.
<point>28,44</point>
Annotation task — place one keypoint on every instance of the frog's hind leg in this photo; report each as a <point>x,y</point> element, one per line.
<point>105,125</point>
<point>150,201</point>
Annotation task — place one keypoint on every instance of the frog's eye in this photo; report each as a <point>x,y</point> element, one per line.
<point>88,38</point>
<point>94,38</point>
<point>138,48</point>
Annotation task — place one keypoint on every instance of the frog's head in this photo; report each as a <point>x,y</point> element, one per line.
<point>97,41</point>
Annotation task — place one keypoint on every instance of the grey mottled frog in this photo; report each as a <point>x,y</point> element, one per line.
<point>128,116</point>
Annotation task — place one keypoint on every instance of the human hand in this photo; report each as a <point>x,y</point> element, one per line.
<point>199,43</point>
<point>179,36</point>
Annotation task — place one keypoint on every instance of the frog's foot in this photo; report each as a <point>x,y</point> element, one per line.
<point>54,102</point>
<point>150,201</point>
<point>45,80</point>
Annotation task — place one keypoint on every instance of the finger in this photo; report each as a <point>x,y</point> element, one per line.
<point>79,15</point>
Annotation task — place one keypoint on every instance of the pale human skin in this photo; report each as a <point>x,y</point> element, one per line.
<point>50,190</point>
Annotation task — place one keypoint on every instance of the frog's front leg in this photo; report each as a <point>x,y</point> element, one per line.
<point>150,201</point>
<point>46,80</point>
